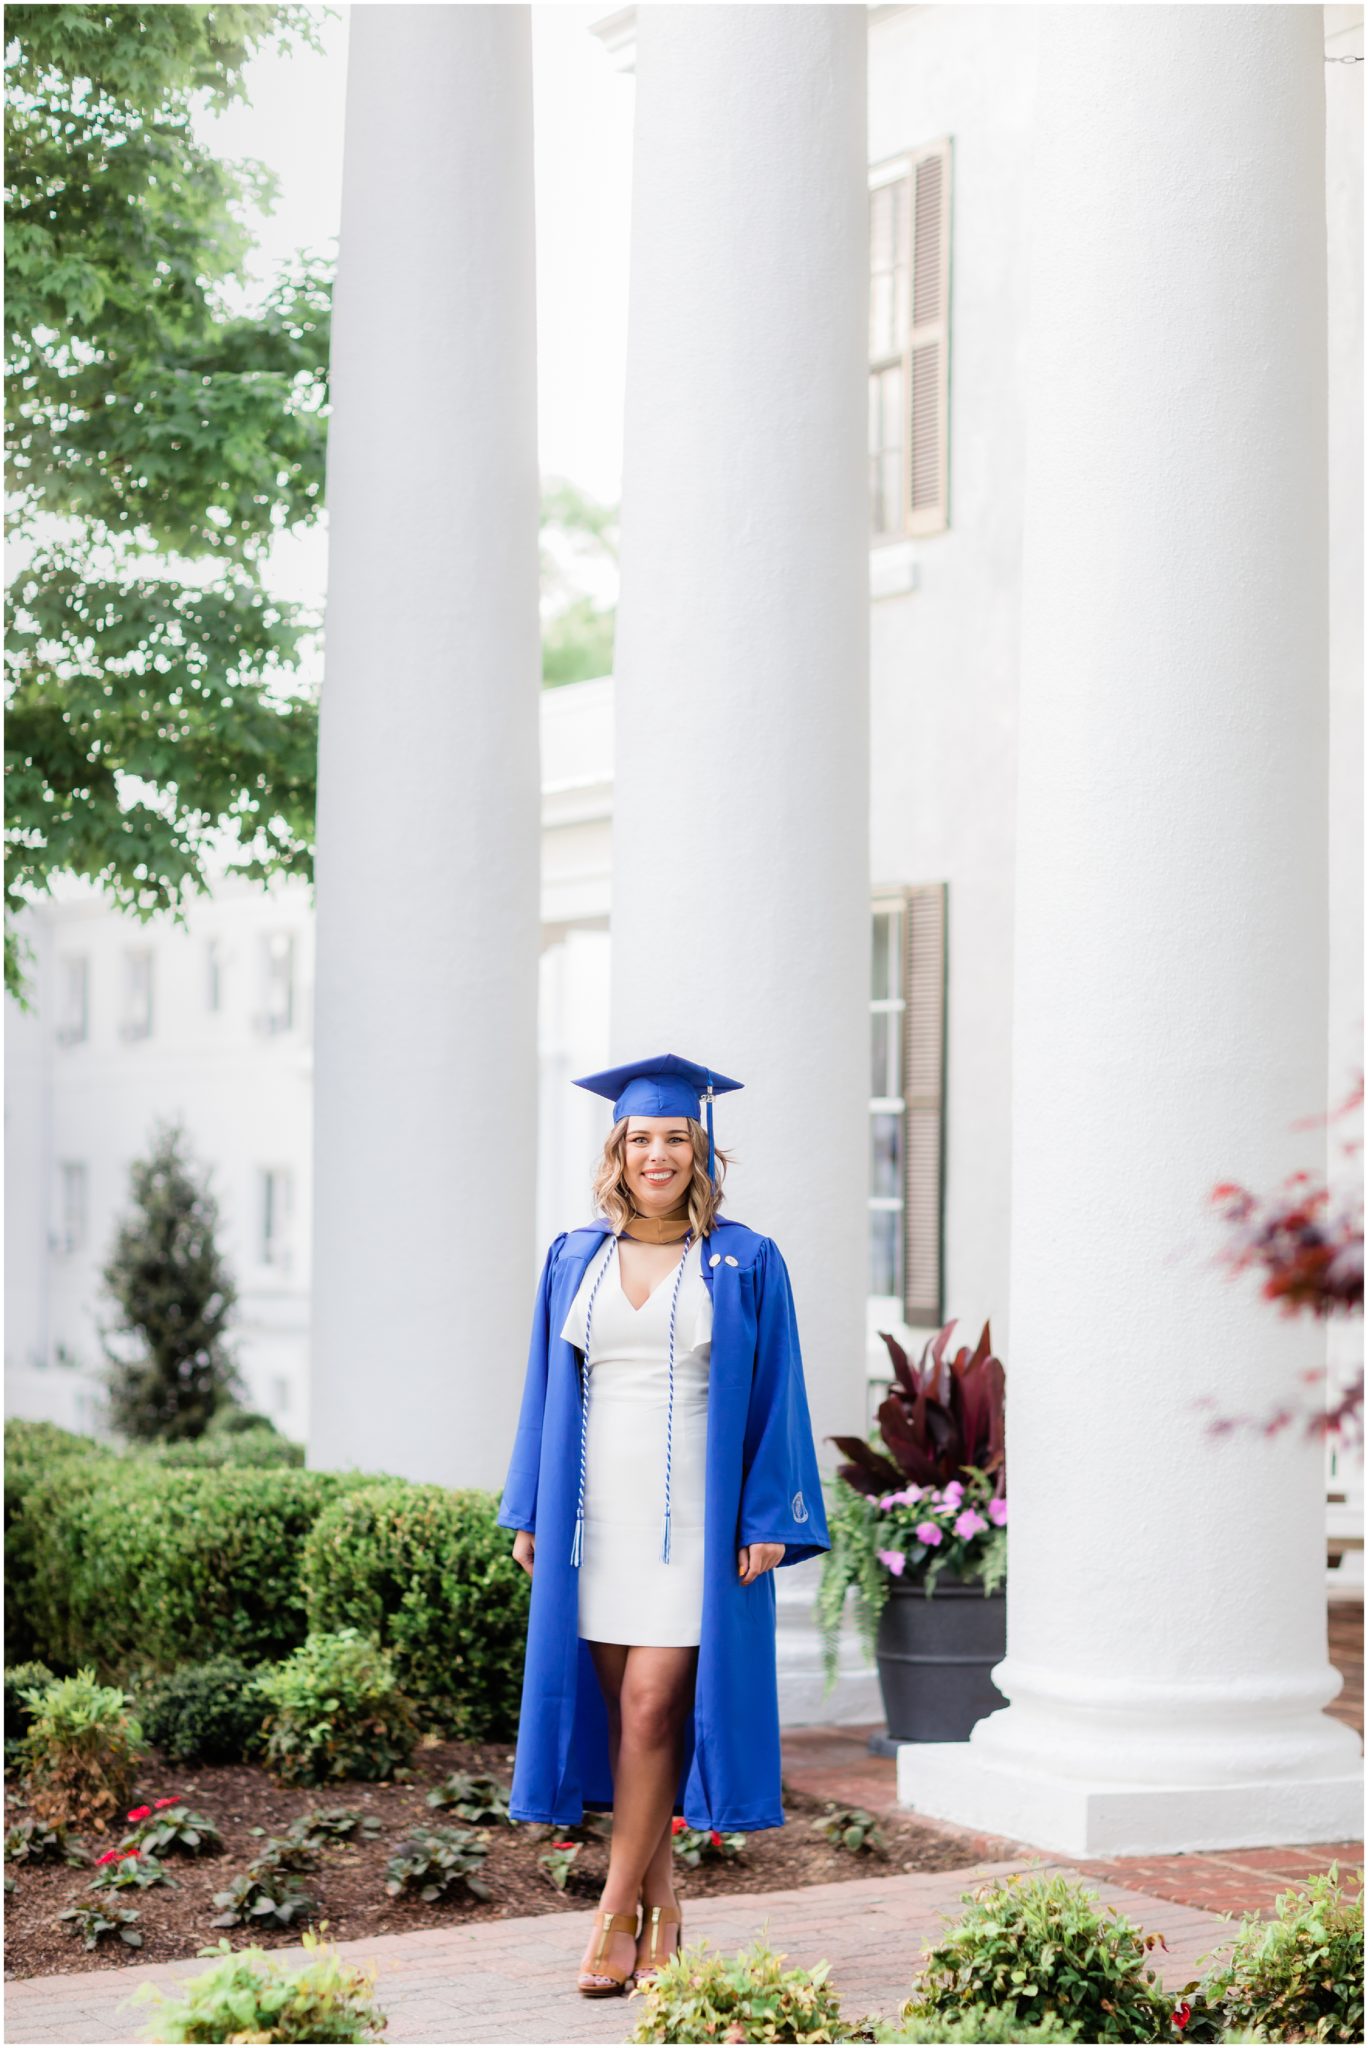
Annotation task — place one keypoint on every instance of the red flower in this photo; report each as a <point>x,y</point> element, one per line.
<point>140,1813</point>
<point>714,1836</point>
<point>110,1856</point>
<point>175,1801</point>
<point>678,1824</point>
<point>562,1845</point>
<point>1182,2014</point>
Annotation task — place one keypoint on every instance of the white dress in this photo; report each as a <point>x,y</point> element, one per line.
<point>627,1593</point>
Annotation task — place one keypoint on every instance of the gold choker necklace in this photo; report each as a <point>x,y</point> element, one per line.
<point>658,1229</point>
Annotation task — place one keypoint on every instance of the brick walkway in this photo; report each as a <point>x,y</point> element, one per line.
<point>513,1980</point>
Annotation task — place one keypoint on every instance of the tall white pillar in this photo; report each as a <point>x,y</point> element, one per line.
<point>740,832</point>
<point>1166,1659</point>
<point>428,835</point>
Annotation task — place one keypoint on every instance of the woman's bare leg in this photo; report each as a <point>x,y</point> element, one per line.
<point>648,1690</point>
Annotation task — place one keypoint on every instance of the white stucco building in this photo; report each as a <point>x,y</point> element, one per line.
<point>1007,840</point>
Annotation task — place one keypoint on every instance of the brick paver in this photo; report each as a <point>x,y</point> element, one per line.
<point>513,1980</point>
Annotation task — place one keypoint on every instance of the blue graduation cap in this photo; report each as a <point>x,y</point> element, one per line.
<point>664,1086</point>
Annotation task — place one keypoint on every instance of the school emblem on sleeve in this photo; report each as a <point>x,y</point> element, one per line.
<point>799,1506</point>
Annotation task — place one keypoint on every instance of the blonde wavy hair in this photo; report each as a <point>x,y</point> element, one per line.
<point>613,1200</point>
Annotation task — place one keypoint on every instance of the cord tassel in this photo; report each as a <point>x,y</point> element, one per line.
<point>665,1546</point>
<point>577,1547</point>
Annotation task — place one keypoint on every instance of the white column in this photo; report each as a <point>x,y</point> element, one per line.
<point>426,1073</point>
<point>1166,1664</point>
<point>740,841</point>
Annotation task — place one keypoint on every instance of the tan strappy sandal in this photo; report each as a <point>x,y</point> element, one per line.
<point>608,1923</point>
<point>653,1918</point>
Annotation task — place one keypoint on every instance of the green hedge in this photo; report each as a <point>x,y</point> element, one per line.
<point>138,1568</point>
<point>35,1452</point>
<point>428,1573</point>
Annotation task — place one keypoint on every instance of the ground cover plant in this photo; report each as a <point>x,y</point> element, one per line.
<point>1298,1976</point>
<point>701,1995</point>
<point>244,1996</point>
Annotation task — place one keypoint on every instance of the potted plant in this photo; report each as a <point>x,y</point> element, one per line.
<point>918,1525</point>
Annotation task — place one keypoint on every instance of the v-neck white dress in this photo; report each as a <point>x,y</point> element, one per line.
<point>627,1593</point>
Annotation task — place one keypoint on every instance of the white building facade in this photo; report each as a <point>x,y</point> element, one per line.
<point>879,895</point>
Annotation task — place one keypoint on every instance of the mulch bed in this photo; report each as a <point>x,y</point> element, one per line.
<point>349,1883</point>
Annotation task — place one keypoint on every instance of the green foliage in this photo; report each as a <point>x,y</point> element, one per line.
<point>474,1799</point>
<point>862,1525</point>
<point>143,1569</point>
<point>93,1923</point>
<point>435,1862</point>
<point>207,1713</point>
<point>35,1452</point>
<point>19,1680</point>
<point>426,1572</point>
<point>1037,1947</point>
<point>979,2024</point>
<point>1299,1976</point>
<point>32,1841</point>
<point>151,426</point>
<point>263,1896</point>
<point>248,1996</point>
<point>169,1826</point>
<point>290,1851</point>
<point>698,1996</point>
<point>80,1752</point>
<point>577,534</point>
<point>693,1846</point>
<point>852,1828</point>
<point>324,1825</point>
<point>559,1862</point>
<point>336,1710</point>
<point>128,1870</point>
<point>261,1449</point>
<point>175,1297</point>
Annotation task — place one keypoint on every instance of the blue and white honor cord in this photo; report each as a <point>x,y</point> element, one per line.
<point>577,1547</point>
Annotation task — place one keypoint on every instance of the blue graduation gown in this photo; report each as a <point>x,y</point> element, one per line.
<point>762,1486</point>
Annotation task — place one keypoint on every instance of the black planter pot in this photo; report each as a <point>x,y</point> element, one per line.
<point>934,1656</point>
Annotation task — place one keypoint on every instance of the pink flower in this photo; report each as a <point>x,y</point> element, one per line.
<point>997,1512</point>
<point>928,1533</point>
<point>969,1523</point>
<point>140,1813</point>
<point>953,1494</point>
<point>894,1560</point>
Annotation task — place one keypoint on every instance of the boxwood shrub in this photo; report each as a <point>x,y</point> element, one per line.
<point>136,1568</point>
<point>427,1572</point>
<point>35,1453</point>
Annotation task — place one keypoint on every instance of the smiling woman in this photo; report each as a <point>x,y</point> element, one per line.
<point>664,1465</point>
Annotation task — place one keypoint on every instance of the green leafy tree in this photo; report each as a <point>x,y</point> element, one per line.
<point>579,559</point>
<point>175,1296</point>
<point>158,439</point>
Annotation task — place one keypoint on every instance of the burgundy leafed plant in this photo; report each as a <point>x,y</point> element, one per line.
<point>938,1416</point>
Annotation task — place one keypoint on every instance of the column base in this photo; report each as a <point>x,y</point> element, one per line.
<point>948,1781</point>
<point>804,1702</point>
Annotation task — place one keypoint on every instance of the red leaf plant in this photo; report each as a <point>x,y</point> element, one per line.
<point>939,1416</point>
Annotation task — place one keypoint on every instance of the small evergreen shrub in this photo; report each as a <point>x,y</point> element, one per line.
<point>1299,1976</point>
<point>209,1713</point>
<point>36,1454</point>
<point>324,1825</point>
<point>426,1572</point>
<point>80,1753</point>
<point>699,1996</point>
<point>335,1710</point>
<point>148,1568</point>
<point>246,1996</point>
<point>852,1828</point>
<point>1038,1948</point>
<point>261,1447</point>
<point>434,1862</point>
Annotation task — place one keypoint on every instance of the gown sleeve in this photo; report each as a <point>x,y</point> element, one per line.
<point>781,1488</point>
<point>518,1506</point>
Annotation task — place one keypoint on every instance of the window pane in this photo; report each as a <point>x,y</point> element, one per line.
<point>885,1236</point>
<point>880,1036</point>
<point>885,1159</point>
<point>879,951</point>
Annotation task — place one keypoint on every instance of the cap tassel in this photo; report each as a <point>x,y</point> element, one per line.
<point>708,1099</point>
